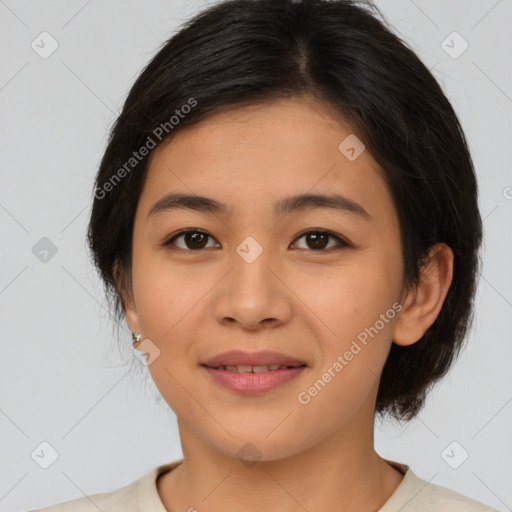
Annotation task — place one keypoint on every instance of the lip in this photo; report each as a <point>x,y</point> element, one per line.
<point>260,358</point>
<point>253,383</point>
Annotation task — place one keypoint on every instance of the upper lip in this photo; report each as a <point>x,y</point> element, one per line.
<point>261,358</point>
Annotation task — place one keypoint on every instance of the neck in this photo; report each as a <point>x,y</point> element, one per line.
<point>342,472</point>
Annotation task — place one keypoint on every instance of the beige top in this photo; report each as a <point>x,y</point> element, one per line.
<point>412,495</point>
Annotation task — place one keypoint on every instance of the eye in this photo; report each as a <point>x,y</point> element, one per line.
<point>319,239</point>
<point>194,240</point>
<point>190,239</point>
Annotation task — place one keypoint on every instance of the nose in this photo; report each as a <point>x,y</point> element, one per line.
<point>252,295</point>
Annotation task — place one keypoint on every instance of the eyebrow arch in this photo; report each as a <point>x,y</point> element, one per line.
<point>301,202</point>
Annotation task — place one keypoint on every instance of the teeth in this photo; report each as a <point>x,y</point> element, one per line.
<point>260,369</point>
<point>248,369</point>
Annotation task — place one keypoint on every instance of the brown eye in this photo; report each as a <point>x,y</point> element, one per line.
<point>196,240</point>
<point>318,240</point>
<point>192,240</point>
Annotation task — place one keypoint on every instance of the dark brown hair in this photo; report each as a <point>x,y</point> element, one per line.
<point>242,52</point>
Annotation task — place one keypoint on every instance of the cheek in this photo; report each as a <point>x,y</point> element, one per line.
<point>168,305</point>
<point>352,358</point>
<point>164,296</point>
<point>358,311</point>
<point>348,299</point>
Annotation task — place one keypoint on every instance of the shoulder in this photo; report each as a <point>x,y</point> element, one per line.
<point>415,494</point>
<point>439,498</point>
<point>139,495</point>
<point>121,500</point>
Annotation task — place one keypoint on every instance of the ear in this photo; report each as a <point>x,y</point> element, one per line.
<point>127,299</point>
<point>423,302</point>
<point>132,317</point>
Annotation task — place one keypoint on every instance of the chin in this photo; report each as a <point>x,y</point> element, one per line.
<point>251,446</point>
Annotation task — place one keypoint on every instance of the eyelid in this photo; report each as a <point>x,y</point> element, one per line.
<point>342,241</point>
<point>168,242</point>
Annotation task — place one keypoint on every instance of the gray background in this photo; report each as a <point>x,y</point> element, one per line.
<point>62,379</point>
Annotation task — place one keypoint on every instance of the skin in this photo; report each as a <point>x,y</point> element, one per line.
<point>311,304</point>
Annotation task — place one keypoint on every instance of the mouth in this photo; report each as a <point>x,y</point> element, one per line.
<point>255,359</point>
<point>251,373</point>
<point>253,369</point>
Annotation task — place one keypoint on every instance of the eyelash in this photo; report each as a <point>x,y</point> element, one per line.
<point>342,243</point>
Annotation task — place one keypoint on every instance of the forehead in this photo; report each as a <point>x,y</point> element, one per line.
<point>280,129</point>
<point>266,151</point>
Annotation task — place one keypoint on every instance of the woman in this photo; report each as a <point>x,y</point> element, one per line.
<point>286,216</point>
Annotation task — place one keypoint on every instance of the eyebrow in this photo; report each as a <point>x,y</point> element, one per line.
<point>301,202</point>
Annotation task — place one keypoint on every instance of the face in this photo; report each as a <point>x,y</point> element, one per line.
<point>317,280</point>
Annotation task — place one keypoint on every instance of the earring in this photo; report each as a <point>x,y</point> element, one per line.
<point>136,337</point>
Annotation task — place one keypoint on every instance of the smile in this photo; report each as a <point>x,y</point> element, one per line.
<point>254,369</point>
<point>253,380</point>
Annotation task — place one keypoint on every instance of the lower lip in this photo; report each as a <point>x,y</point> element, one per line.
<point>253,383</point>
